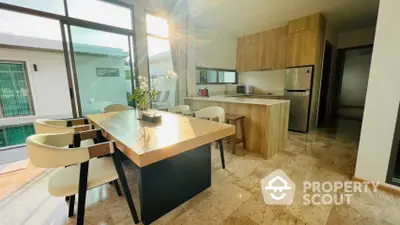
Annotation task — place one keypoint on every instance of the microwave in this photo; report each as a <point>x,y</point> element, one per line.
<point>244,89</point>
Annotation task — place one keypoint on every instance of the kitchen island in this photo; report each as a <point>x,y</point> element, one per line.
<point>266,120</point>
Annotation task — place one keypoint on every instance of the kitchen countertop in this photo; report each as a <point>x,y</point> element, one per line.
<point>243,100</point>
<point>272,96</point>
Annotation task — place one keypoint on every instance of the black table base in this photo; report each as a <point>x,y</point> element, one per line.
<point>166,184</point>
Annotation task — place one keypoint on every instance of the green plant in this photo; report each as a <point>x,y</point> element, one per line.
<point>143,95</point>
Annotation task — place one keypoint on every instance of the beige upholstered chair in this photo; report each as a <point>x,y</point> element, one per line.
<point>217,114</point>
<point>47,126</point>
<point>212,113</point>
<point>61,126</point>
<point>179,109</point>
<point>116,108</point>
<point>85,170</point>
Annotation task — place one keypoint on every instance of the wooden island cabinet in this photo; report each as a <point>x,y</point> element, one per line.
<point>266,120</point>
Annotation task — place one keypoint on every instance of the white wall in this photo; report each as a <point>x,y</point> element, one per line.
<point>383,97</point>
<point>264,81</point>
<point>356,38</point>
<point>355,77</point>
<point>220,53</point>
<point>216,53</point>
<point>49,85</point>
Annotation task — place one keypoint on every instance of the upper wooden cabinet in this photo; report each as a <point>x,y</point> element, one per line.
<point>296,44</point>
<point>305,23</point>
<point>273,48</point>
<point>248,53</point>
<point>301,48</point>
<point>304,40</point>
<point>240,55</point>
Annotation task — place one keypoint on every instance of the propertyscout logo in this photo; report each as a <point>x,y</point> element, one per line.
<point>278,189</point>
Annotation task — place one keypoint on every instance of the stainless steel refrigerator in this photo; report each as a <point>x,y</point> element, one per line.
<point>298,86</point>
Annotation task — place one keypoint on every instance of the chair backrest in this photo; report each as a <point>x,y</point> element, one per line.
<point>179,109</point>
<point>158,96</point>
<point>51,126</point>
<point>43,126</point>
<point>166,96</point>
<point>52,150</point>
<point>212,112</point>
<point>116,108</point>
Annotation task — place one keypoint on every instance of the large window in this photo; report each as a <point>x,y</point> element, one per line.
<point>215,76</point>
<point>160,61</point>
<point>51,6</point>
<point>15,96</point>
<point>79,54</point>
<point>100,12</point>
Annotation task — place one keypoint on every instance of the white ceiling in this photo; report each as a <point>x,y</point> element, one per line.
<point>242,17</point>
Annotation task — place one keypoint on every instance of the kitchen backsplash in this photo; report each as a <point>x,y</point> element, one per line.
<point>219,89</point>
<point>262,81</point>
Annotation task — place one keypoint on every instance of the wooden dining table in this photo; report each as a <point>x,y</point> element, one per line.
<point>172,158</point>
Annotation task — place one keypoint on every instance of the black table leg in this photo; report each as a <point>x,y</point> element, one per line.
<point>221,150</point>
<point>124,182</point>
<point>82,192</point>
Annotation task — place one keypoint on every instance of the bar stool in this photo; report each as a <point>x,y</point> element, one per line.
<point>237,120</point>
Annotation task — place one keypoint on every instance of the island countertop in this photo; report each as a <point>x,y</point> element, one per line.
<point>265,124</point>
<point>243,100</point>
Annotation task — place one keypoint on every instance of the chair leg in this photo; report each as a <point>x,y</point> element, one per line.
<point>71,205</point>
<point>117,187</point>
<point>233,143</point>
<point>221,150</point>
<point>82,192</point>
<point>124,183</point>
<point>243,134</point>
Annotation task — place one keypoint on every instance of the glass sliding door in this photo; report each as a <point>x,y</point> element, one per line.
<point>162,76</point>
<point>102,66</point>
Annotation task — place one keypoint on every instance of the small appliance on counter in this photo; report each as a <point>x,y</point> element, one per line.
<point>244,89</point>
<point>204,92</point>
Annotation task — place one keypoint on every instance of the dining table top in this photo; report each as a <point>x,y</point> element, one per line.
<point>146,143</point>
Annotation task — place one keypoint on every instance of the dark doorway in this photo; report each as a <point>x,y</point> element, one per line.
<point>352,80</point>
<point>323,102</point>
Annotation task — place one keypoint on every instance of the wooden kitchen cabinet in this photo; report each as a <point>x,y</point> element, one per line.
<point>301,48</point>
<point>240,55</point>
<point>249,53</point>
<point>305,23</point>
<point>296,44</point>
<point>273,49</point>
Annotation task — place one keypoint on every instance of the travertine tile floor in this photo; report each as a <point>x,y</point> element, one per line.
<point>235,196</point>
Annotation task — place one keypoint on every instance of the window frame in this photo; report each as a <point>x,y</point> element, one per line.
<point>218,71</point>
<point>28,87</point>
